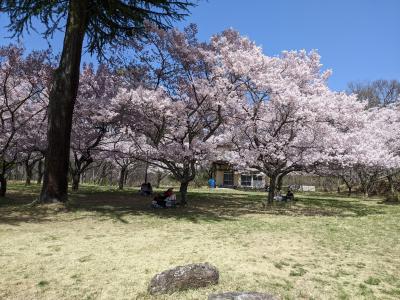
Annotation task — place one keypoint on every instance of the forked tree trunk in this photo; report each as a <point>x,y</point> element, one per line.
<point>349,188</point>
<point>122,178</point>
<point>3,185</point>
<point>61,105</point>
<point>40,172</point>
<point>183,192</point>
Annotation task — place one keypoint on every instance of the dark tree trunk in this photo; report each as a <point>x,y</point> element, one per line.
<point>28,171</point>
<point>121,178</point>
<point>272,188</point>
<point>3,186</point>
<point>126,177</point>
<point>28,177</point>
<point>61,105</point>
<point>40,172</point>
<point>76,178</point>
<point>183,192</point>
<point>279,182</point>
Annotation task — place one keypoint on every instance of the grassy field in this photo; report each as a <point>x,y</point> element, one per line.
<point>109,244</point>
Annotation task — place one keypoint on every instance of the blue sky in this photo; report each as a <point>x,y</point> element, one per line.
<point>358,39</point>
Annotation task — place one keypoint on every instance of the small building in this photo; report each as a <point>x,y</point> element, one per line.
<point>227,175</point>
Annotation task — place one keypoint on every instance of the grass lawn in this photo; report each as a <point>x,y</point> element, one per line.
<point>109,244</point>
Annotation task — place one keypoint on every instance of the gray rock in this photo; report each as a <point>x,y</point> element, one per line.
<point>242,296</point>
<point>184,277</point>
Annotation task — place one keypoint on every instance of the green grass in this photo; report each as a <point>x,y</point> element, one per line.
<point>107,244</point>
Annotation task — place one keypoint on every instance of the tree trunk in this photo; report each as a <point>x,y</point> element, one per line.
<point>183,192</point>
<point>40,172</point>
<point>271,190</point>
<point>29,171</point>
<point>76,178</point>
<point>28,177</point>
<point>159,177</point>
<point>279,182</point>
<point>61,105</point>
<point>393,193</point>
<point>121,178</point>
<point>126,177</point>
<point>3,185</point>
<point>146,171</point>
<point>349,187</point>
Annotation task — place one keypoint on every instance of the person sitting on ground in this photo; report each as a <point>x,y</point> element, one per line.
<point>278,196</point>
<point>170,200</point>
<point>158,202</point>
<point>169,192</point>
<point>143,189</point>
<point>289,195</point>
<point>164,200</point>
<point>146,189</point>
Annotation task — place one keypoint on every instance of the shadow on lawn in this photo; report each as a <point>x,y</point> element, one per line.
<point>203,207</point>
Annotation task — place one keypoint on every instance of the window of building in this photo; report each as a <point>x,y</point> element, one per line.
<point>228,178</point>
<point>258,181</point>
<point>245,180</point>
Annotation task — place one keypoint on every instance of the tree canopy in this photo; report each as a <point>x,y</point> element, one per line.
<point>109,22</point>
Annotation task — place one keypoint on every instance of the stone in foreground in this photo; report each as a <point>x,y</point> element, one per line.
<point>242,296</point>
<point>184,277</point>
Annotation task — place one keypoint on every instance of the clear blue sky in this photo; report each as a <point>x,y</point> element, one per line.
<point>358,39</point>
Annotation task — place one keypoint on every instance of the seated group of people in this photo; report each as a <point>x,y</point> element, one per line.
<point>164,200</point>
<point>288,197</point>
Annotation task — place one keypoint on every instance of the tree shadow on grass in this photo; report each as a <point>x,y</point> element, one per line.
<point>16,209</point>
<point>203,207</point>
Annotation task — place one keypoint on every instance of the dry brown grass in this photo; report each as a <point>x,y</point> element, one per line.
<point>108,245</point>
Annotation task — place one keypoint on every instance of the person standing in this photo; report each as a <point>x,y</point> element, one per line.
<point>211,183</point>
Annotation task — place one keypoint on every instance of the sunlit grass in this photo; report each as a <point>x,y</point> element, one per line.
<point>108,244</point>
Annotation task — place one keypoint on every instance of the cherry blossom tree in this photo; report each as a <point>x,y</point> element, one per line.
<point>379,153</point>
<point>181,105</point>
<point>33,148</point>
<point>23,98</point>
<point>92,118</point>
<point>289,120</point>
